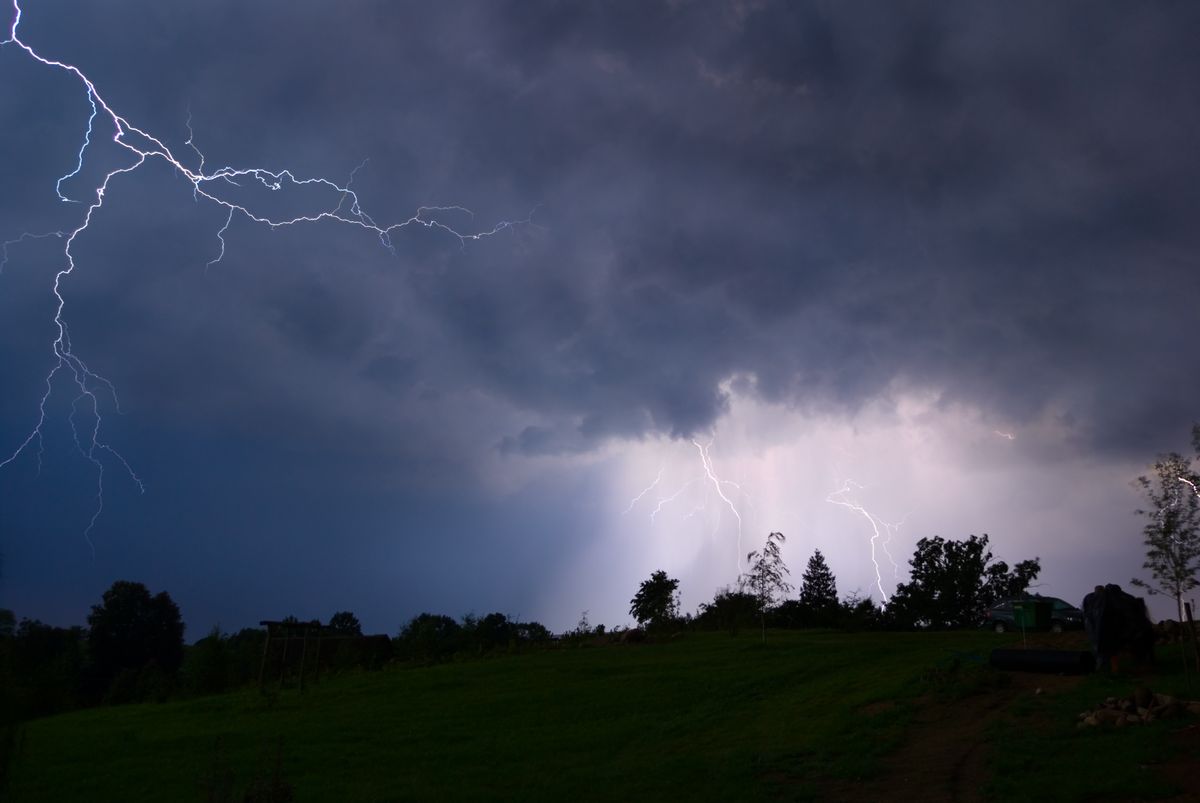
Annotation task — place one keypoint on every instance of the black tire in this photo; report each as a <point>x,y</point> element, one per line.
<point>1000,627</point>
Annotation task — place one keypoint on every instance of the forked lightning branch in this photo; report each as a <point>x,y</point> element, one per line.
<point>141,146</point>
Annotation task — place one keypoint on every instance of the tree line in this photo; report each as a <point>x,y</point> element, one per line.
<point>951,584</point>
<point>133,649</point>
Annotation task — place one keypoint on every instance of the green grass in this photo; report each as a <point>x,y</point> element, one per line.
<point>702,717</point>
<point>705,717</point>
<point>1038,753</point>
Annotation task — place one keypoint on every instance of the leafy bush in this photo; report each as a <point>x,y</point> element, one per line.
<point>429,637</point>
<point>730,610</point>
<point>433,637</point>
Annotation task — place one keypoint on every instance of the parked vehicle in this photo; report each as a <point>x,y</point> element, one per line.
<point>1002,617</point>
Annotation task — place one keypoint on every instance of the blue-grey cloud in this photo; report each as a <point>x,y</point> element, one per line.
<point>814,200</point>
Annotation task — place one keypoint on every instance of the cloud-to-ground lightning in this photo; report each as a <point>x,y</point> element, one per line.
<point>717,482</point>
<point>707,476</point>
<point>141,147</point>
<point>881,531</point>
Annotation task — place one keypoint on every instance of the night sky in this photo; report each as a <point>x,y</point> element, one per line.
<point>944,251</point>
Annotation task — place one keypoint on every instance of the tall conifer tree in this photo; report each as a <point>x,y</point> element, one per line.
<point>818,586</point>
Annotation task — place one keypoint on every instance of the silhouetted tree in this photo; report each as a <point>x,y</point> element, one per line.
<point>952,583</point>
<point>1002,583</point>
<point>859,613</point>
<point>583,627</point>
<point>1172,531</point>
<point>729,610</point>
<point>533,632</point>
<point>244,650</point>
<point>767,577</point>
<point>790,613</point>
<point>818,591</point>
<point>429,637</point>
<point>47,665</point>
<point>345,623</point>
<point>494,631</point>
<point>132,632</point>
<point>206,667</point>
<point>657,601</point>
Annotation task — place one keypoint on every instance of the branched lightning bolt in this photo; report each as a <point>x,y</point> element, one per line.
<point>708,476</point>
<point>881,531</point>
<point>666,500</point>
<point>142,146</point>
<point>1195,490</point>
<point>645,491</point>
<point>26,236</point>
<point>191,142</point>
<point>87,136</point>
<point>717,482</point>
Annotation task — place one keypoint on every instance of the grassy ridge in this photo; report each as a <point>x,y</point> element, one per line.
<point>706,717</point>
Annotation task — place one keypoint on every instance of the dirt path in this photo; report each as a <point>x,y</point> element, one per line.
<point>944,756</point>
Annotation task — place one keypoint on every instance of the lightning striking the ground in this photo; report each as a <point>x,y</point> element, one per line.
<point>881,531</point>
<point>140,147</point>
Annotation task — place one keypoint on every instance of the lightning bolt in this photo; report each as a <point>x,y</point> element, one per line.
<point>881,531</point>
<point>717,482</point>
<point>708,476</point>
<point>142,146</point>
<point>26,236</point>
<point>1160,514</point>
<point>1008,436</point>
<point>666,500</point>
<point>1195,490</point>
<point>647,490</point>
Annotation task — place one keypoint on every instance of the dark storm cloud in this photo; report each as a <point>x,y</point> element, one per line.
<point>813,201</point>
<point>825,197</point>
<point>999,205</point>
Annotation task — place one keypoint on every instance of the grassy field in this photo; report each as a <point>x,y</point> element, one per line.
<point>703,717</point>
<point>1037,753</point>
